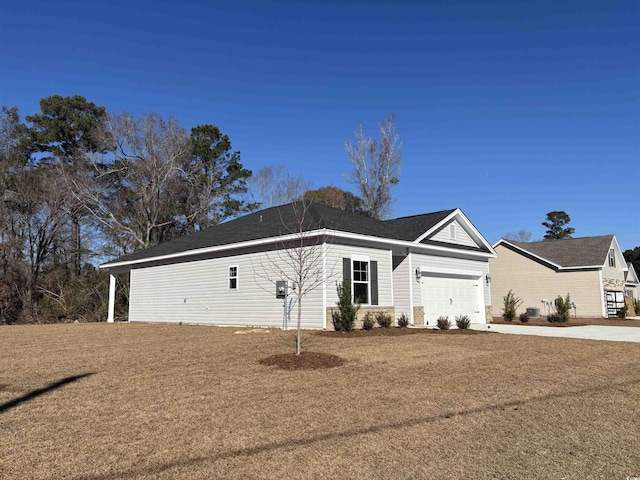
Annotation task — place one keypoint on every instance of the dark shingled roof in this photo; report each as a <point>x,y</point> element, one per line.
<point>281,220</point>
<point>570,252</point>
<point>410,228</point>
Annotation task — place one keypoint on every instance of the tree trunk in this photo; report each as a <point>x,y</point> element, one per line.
<point>75,245</point>
<point>299,318</point>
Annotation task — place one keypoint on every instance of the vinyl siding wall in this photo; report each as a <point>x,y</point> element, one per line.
<point>198,292</point>
<point>532,282</point>
<point>461,236</point>
<point>335,254</point>
<point>402,276</point>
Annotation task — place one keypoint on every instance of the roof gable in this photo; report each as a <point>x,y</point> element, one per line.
<point>632,275</point>
<point>567,253</point>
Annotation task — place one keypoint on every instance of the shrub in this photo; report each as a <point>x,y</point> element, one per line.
<point>403,320</point>
<point>345,318</point>
<point>510,305</point>
<point>563,307</point>
<point>555,318</point>
<point>463,322</point>
<point>524,317</point>
<point>636,305</point>
<point>368,321</point>
<point>443,323</point>
<point>383,319</point>
<point>623,312</point>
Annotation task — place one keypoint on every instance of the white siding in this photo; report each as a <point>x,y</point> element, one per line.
<point>198,292</point>
<point>461,236</point>
<point>402,276</point>
<point>426,261</point>
<point>335,254</point>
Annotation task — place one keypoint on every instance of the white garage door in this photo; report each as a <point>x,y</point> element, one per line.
<point>447,296</point>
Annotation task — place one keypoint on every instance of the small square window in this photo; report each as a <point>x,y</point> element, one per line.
<point>233,278</point>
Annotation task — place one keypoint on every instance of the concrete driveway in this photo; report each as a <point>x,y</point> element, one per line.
<point>588,332</point>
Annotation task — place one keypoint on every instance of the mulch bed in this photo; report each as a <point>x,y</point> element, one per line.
<point>396,332</point>
<point>573,322</point>
<point>304,361</point>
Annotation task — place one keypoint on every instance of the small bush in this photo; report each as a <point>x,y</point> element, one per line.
<point>443,323</point>
<point>403,320</point>
<point>383,319</point>
<point>524,317</point>
<point>510,305</point>
<point>563,309</point>
<point>623,312</point>
<point>463,322</point>
<point>368,321</point>
<point>636,305</point>
<point>345,318</point>
<point>555,318</point>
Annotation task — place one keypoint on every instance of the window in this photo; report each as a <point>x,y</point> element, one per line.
<point>612,258</point>
<point>233,278</point>
<point>360,281</point>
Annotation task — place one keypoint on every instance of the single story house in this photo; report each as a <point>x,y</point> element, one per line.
<point>592,270</point>
<point>423,266</point>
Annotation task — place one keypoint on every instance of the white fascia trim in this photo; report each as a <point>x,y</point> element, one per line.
<point>289,237</point>
<point>548,262</point>
<point>217,248</point>
<point>404,243</point>
<point>544,260</point>
<point>461,216</point>
<point>437,226</point>
<point>451,271</point>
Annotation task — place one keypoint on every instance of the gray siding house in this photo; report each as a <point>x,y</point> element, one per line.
<point>424,266</point>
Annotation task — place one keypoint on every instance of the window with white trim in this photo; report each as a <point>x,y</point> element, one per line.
<point>612,258</point>
<point>361,281</point>
<point>233,278</point>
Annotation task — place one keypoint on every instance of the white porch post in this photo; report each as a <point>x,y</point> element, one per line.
<point>112,297</point>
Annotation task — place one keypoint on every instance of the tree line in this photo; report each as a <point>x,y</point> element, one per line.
<point>79,185</point>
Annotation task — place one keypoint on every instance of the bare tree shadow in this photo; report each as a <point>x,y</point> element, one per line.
<point>249,452</point>
<point>41,391</point>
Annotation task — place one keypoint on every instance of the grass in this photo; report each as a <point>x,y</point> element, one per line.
<point>99,401</point>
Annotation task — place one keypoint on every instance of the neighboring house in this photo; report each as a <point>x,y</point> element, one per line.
<point>632,283</point>
<point>424,265</point>
<point>592,270</point>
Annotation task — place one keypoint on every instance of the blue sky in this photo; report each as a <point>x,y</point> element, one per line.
<point>507,110</point>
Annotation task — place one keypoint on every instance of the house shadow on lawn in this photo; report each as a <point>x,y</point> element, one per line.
<point>41,391</point>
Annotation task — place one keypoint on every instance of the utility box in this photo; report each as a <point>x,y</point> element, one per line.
<point>533,312</point>
<point>281,289</point>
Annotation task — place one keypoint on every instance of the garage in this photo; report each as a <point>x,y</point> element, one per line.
<point>451,295</point>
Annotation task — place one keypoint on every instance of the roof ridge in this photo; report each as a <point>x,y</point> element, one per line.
<point>422,214</point>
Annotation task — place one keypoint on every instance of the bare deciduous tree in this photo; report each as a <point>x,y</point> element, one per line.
<point>157,182</point>
<point>300,259</point>
<point>376,166</point>
<point>519,236</point>
<point>272,186</point>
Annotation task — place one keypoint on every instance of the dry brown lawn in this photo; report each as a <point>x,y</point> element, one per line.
<point>111,401</point>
